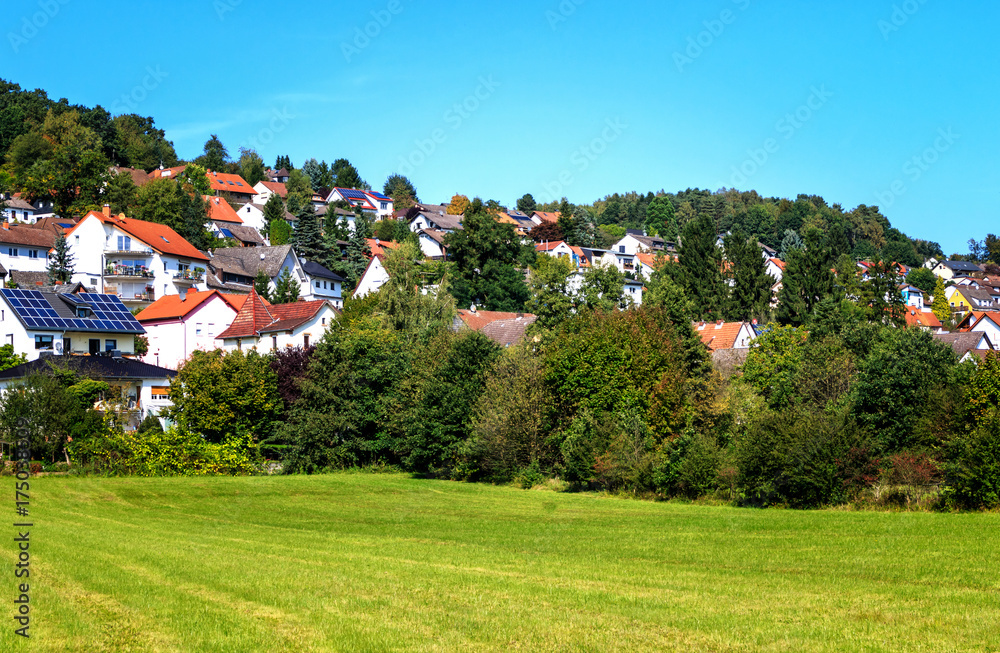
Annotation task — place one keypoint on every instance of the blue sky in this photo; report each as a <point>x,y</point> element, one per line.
<point>874,102</point>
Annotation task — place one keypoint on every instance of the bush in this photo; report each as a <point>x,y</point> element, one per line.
<point>698,473</point>
<point>972,469</point>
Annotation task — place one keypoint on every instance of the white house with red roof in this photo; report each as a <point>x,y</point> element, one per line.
<point>721,335</point>
<point>265,327</point>
<point>265,189</point>
<point>233,186</point>
<point>178,325</point>
<point>136,260</point>
<point>368,201</point>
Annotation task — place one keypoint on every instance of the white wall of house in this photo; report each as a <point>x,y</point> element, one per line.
<point>990,326</point>
<point>35,341</point>
<point>172,341</point>
<point>562,249</point>
<point>375,277</point>
<point>25,258</point>
<point>629,245</point>
<point>305,335</point>
<point>430,247</point>
<point>316,288</point>
<point>252,217</point>
<point>263,193</point>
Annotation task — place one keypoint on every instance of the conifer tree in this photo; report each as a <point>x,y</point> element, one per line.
<point>274,210</point>
<point>808,280</point>
<point>287,289</point>
<point>262,284</point>
<point>701,269</point>
<point>751,291</point>
<point>307,239</point>
<point>940,306</point>
<point>60,267</point>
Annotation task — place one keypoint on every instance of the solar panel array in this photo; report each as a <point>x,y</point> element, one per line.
<point>381,196</point>
<point>109,314</point>
<point>353,194</point>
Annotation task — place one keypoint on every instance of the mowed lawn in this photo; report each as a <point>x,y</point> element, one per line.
<point>372,563</point>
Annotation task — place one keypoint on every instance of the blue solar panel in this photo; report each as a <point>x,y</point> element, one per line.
<point>381,196</point>
<point>353,194</point>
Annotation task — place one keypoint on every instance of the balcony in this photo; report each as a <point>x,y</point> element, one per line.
<point>189,277</point>
<point>128,272</point>
<point>131,293</point>
<point>110,251</point>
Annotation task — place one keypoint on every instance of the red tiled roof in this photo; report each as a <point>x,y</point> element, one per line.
<point>276,187</point>
<point>547,217</point>
<point>289,316</point>
<point>25,235</point>
<point>226,183</point>
<point>915,317</point>
<point>171,307</point>
<point>159,237</point>
<point>779,263</point>
<point>549,246</point>
<point>719,335</point>
<point>250,319</point>
<point>479,319</point>
<point>379,247</point>
<point>220,210</point>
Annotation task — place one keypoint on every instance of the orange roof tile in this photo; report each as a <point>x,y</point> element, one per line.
<point>915,317</point>
<point>251,318</point>
<point>379,247</point>
<point>159,237</point>
<point>719,335</point>
<point>479,319</point>
<point>289,316</point>
<point>220,210</point>
<point>549,246</point>
<point>171,307</point>
<point>221,181</point>
<point>779,263</point>
<point>276,187</point>
<point>547,217</point>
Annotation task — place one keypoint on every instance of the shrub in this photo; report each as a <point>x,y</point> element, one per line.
<point>972,469</point>
<point>698,473</point>
<point>858,469</point>
<point>912,469</point>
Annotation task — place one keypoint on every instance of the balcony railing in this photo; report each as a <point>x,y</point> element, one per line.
<point>132,271</point>
<point>189,276</point>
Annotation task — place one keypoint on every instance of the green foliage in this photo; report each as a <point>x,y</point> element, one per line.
<point>251,167</point>
<point>972,468</point>
<point>750,297</point>
<point>603,289</point>
<point>982,392</point>
<point>215,155</point>
<point>307,239</point>
<point>50,413</point>
<point>140,345</point>
<point>807,280</point>
<point>221,395</point>
<point>548,283</point>
<point>773,362</point>
<point>286,289</point>
<point>195,179</point>
<point>940,306</point>
<point>346,175</point>
<point>527,204</point>
<point>9,359</point>
<point>922,278</point>
<point>280,233</point>
<point>401,190</point>
<point>60,266</point>
<point>262,284</point>
<point>485,254</point>
<point>121,194</point>
<point>407,302</point>
<point>660,219</point>
<point>895,382</point>
<point>700,272</point>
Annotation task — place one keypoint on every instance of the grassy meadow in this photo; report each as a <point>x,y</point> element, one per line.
<point>359,562</point>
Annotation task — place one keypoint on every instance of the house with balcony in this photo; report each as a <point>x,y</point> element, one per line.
<point>378,205</point>
<point>137,261</point>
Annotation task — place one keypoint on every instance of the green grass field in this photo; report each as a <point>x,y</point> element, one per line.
<point>372,563</point>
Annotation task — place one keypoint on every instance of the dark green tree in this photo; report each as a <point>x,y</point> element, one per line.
<point>527,204</point>
<point>216,157</point>
<point>750,297</point>
<point>282,163</point>
<point>807,280</point>
<point>400,189</point>
<point>262,284</point>
<point>660,219</point>
<point>274,211</point>
<point>121,194</point>
<point>701,269</point>
<point>346,175</point>
<point>307,239</point>
<point>286,289</point>
<point>251,166</point>
<point>60,267</point>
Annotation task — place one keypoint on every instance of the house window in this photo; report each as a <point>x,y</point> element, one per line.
<point>67,346</point>
<point>274,343</point>
<point>621,249</point>
<point>197,329</point>
<point>94,346</point>
<point>305,341</point>
<point>317,284</point>
<point>211,330</point>
<point>12,251</point>
<point>110,345</point>
<point>160,392</point>
<point>43,342</point>
<point>124,243</point>
<point>32,253</point>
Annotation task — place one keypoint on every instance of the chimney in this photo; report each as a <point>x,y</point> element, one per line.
<point>106,209</point>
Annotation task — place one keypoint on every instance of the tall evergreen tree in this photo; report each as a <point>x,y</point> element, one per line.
<point>751,291</point>
<point>215,157</point>
<point>60,267</point>
<point>346,175</point>
<point>701,269</point>
<point>358,251</point>
<point>527,204</point>
<point>807,280</point>
<point>251,166</point>
<point>940,306</point>
<point>286,289</point>
<point>262,284</point>
<point>307,239</point>
<point>660,219</point>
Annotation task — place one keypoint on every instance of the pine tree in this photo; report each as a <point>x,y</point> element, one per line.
<point>940,306</point>
<point>751,291</point>
<point>358,251</point>
<point>307,239</point>
<point>60,267</point>
<point>262,284</point>
<point>286,290</point>
<point>808,280</point>
<point>701,269</point>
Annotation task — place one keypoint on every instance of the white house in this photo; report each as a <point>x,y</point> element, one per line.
<point>233,269</point>
<point>144,387</point>
<point>432,243</point>
<point>438,221</point>
<point>637,241</point>
<point>776,268</point>
<point>265,189</point>
<point>24,249</point>
<point>368,201</point>
<point>136,260</point>
<point>177,325</point>
<point>988,323</point>
<point>40,323</point>
<point>375,277</point>
<point>17,209</point>
<point>556,249</point>
<point>270,328</point>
